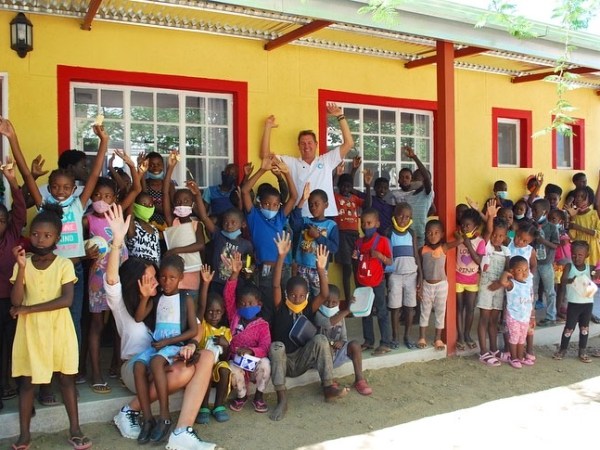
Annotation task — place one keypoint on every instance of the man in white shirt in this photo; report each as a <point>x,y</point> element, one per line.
<point>310,168</point>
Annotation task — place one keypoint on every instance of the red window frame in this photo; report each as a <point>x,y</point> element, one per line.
<point>238,89</point>
<point>578,127</point>
<point>526,141</point>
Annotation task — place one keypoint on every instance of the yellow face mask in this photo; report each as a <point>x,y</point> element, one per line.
<point>399,228</point>
<point>470,235</point>
<point>296,308</point>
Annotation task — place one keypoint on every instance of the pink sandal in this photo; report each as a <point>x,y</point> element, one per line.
<point>260,406</point>
<point>363,387</point>
<point>238,403</point>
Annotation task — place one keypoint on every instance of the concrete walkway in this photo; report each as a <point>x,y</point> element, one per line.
<point>559,418</point>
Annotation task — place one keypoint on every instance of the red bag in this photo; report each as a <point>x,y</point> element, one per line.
<point>370,270</point>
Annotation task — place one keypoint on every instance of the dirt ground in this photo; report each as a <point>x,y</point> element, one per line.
<point>401,394</point>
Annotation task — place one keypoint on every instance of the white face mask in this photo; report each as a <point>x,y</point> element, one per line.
<point>329,312</point>
<point>182,211</point>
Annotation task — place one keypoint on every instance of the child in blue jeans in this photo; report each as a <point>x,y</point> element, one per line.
<point>373,253</point>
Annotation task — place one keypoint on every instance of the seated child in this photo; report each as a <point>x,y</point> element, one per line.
<point>175,324</point>
<point>250,336</point>
<point>216,337</point>
<point>435,285</point>
<point>287,357</point>
<point>518,283</point>
<point>313,231</point>
<point>580,302</point>
<point>329,320</point>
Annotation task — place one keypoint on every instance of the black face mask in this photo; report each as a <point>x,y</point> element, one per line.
<point>43,251</point>
<point>227,180</point>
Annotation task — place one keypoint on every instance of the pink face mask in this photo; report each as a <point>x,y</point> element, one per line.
<point>100,206</point>
<point>182,211</point>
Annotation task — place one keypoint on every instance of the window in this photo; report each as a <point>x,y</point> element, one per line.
<point>141,120</point>
<point>509,148</point>
<point>206,119</point>
<point>380,133</point>
<point>568,149</point>
<point>511,138</point>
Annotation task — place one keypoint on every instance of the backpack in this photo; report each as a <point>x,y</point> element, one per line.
<point>370,270</point>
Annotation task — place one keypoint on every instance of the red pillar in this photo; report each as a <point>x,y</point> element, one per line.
<point>444,169</point>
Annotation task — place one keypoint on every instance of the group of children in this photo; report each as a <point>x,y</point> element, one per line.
<point>506,254</point>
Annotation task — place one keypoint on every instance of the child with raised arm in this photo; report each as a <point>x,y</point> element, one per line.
<point>373,253</point>
<point>434,293</point>
<point>250,336</point>
<point>152,185</point>
<point>11,225</point>
<point>576,284</point>
<point>175,324</point>
<point>491,302</point>
<point>287,357</point>
<point>330,322</point>
<point>216,336</point>
<point>188,240</point>
<point>265,222</point>
<point>313,231</point>
<point>62,191</point>
<point>518,283</point>
<point>405,274</point>
<point>96,225</point>
<point>45,340</point>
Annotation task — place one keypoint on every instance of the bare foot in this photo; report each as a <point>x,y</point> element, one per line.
<point>333,393</point>
<point>281,409</point>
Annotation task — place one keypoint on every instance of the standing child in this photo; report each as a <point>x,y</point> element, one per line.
<point>11,225</point>
<point>192,243</point>
<point>348,205</point>
<point>217,197</point>
<point>405,275</point>
<point>521,246</point>
<point>143,240</point>
<point>314,231</point>
<point>491,302</point>
<point>265,222</point>
<point>96,224</point>
<point>518,283</point>
<point>216,337</point>
<point>175,324</point>
<point>45,340</point>
<point>330,322</point>
<point>380,202</point>
<point>373,252</point>
<point>561,257</point>
<point>507,215</point>
<point>547,242</point>
<point>153,186</point>
<point>468,258</point>
<point>435,285</point>
<point>250,336</point>
<point>576,282</point>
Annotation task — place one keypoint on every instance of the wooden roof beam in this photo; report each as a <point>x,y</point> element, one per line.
<point>90,14</point>
<point>541,76</point>
<point>463,52</point>
<point>304,30</point>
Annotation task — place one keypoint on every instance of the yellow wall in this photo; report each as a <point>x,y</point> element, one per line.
<point>284,82</point>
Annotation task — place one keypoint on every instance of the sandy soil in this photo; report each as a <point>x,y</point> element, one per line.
<point>401,394</point>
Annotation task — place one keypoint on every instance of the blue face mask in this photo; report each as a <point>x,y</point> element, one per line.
<point>268,213</point>
<point>329,312</point>
<point>369,232</point>
<point>155,176</point>
<point>542,219</point>
<point>502,194</point>
<point>249,312</point>
<point>64,203</point>
<point>231,234</point>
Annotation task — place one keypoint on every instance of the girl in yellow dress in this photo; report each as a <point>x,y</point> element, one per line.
<point>45,340</point>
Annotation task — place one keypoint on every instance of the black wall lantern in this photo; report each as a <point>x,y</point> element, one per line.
<point>21,35</point>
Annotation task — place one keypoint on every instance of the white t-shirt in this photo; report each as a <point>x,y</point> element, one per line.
<point>319,174</point>
<point>135,336</point>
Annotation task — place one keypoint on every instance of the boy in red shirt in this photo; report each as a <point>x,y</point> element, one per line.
<point>373,253</point>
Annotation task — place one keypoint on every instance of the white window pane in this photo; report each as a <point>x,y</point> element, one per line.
<point>195,110</point>
<point>142,106</point>
<point>421,125</point>
<point>194,141</point>
<point>142,138</point>
<point>388,148</point>
<point>216,166</point>
<point>388,122</point>
<point>564,150</point>
<point>195,167</point>
<point>167,138</point>
<point>217,140</point>
<point>112,104</point>
<point>167,108</point>
<point>407,124</point>
<point>217,111</point>
<point>371,148</point>
<point>353,118</point>
<point>371,121</point>
<point>86,102</point>
<point>508,143</point>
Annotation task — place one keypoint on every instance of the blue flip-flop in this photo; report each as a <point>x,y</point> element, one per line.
<point>220,414</point>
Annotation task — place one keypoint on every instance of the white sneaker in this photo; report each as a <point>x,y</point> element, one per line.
<point>188,440</point>
<point>128,423</point>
